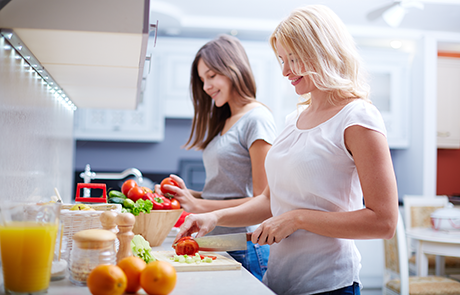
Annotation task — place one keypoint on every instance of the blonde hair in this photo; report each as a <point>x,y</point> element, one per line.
<point>226,56</point>
<point>319,40</point>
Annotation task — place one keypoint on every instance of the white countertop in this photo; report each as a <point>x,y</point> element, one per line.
<point>201,282</point>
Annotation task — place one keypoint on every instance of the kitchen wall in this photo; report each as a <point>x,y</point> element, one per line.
<point>36,145</point>
<point>150,158</point>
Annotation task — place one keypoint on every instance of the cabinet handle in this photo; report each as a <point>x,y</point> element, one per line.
<point>443,134</point>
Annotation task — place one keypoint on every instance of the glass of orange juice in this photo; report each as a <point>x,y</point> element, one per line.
<point>27,240</point>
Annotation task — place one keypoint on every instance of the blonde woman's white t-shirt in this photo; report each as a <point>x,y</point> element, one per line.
<point>313,169</point>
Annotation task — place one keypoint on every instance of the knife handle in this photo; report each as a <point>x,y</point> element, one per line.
<point>248,237</point>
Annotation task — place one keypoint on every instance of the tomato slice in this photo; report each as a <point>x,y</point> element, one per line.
<point>210,256</point>
<point>186,246</point>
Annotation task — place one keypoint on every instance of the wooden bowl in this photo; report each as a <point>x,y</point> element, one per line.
<point>156,225</point>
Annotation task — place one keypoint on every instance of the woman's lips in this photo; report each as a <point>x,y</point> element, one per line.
<point>296,81</point>
<point>213,94</point>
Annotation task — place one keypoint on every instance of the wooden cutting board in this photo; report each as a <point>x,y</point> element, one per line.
<point>220,263</point>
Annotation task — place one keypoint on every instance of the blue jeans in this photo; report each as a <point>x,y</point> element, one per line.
<point>254,259</point>
<point>350,290</point>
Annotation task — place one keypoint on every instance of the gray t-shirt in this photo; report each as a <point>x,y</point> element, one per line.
<point>227,162</point>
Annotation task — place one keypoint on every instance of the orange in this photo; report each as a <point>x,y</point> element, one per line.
<point>132,266</point>
<point>158,278</point>
<point>107,279</point>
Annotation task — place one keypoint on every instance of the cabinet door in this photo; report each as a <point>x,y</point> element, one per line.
<point>175,57</point>
<point>448,103</point>
<point>145,123</point>
<point>389,73</point>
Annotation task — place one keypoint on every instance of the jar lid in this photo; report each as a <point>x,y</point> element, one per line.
<point>447,212</point>
<point>94,238</point>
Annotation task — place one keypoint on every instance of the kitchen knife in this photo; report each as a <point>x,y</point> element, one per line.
<point>228,242</point>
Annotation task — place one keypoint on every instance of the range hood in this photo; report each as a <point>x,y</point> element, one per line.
<point>94,49</point>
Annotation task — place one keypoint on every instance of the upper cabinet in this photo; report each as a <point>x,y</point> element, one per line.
<point>94,49</point>
<point>448,103</point>
<point>389,79</point>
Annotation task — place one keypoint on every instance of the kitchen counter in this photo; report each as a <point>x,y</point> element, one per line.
<point>199,282</point>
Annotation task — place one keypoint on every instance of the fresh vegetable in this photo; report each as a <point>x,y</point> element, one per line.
<point>167,192</point>
<point>141,248</point>
<point>197,258</point>
<point>175,204</point>
<point>116,194</point>
<point>140,206</point>
<point>147,190</point>
<point>117,200</point>
<point>166,202</point>
<point>136,193</point>
<point>157,202</point>
<point>127,185</point>
<point>186,245</point>
<point>128,203</point>
<point>148,196</point>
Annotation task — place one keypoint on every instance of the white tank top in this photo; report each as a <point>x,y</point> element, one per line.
<point>313,169</point>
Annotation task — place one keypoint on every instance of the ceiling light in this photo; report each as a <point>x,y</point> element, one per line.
<point>22,52</point>
<point>395,14</point>
<point>396,44</point>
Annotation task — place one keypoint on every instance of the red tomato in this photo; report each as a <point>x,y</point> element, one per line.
<point>136,193</point>
<point>175,204</point>
<point>166,202</point>
<point>186,246</point>
<point>168,181</point>
<point>147,190</point>
<point>127,185</point>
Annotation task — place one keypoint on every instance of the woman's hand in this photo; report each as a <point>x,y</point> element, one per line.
<point>200,223</point>
<point>275,229</point>
<point>187,201</point>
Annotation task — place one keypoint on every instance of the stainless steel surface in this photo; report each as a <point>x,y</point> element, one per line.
<point>230,242</point>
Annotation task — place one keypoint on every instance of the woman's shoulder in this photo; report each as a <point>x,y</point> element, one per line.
<point>259,111</point>
<point>364,113</point>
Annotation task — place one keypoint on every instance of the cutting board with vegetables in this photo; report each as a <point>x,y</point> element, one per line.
<point>220,263</point>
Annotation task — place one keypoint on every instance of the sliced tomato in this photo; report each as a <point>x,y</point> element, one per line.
<point>186,246</point>
<point>210,256</point>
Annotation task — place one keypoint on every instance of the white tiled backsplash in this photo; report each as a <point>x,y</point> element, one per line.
<point>36,135</point>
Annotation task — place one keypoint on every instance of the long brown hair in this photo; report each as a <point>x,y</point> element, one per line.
<point>226,56</point>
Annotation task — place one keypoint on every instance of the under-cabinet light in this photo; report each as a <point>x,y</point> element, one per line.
<point>24,53</point>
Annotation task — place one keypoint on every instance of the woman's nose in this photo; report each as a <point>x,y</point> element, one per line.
<point>206,86</point>
<point>286,70</point>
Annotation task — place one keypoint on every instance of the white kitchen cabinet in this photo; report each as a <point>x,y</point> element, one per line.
<point>448,103</point>
<point>144,124</point>
<point>389,79</point>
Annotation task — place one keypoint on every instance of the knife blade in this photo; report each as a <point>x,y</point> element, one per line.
<point>228,242</point>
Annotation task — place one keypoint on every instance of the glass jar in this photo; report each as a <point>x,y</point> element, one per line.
<point>90,248</point>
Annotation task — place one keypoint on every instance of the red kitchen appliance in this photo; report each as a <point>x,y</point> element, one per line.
<point>102,199</point>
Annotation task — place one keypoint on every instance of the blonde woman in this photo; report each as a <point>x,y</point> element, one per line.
<point>331,157</point>
<point>235,132</point>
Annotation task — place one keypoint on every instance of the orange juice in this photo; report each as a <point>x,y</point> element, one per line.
<point>27,253</point>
